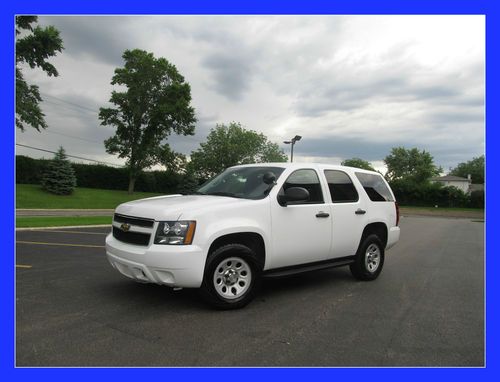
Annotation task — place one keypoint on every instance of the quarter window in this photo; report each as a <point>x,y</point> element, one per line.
<point>375,187</point>
<point>309,180</point>
<point>341,188</point>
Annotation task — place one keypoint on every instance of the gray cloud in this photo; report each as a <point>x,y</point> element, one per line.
<point>231,74</point>
<point>351,93</point>
<point>102,38</point>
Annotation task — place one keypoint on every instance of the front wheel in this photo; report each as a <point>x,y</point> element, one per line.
<point>369,259</point>
<point>232,274</point>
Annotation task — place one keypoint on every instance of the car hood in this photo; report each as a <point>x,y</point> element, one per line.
<point>171,207</point>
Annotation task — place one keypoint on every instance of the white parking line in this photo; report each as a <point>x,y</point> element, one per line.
<point>23,266</point>
<point>80,232</point>
<point>59,244</point>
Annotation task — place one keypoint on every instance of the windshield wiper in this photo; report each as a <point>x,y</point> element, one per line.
<point>223,193</point>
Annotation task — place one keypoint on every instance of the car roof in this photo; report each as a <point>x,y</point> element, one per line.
<point>298,165</point>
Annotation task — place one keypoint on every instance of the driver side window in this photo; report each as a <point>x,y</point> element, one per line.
<point>308,179</point>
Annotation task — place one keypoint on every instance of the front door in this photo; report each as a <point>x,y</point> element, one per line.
<point>301,231</point>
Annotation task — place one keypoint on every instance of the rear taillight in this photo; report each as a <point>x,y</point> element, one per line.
<point>397,213</point>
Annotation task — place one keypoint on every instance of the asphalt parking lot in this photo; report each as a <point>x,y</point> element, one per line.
<point>426,309</point>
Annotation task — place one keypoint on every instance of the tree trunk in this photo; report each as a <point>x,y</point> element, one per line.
<point>131,185</point>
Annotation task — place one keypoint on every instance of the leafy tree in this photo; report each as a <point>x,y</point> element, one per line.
<point>155,103</point>
<point>411,165</point>
<point>474,167</point>
<point>229,145</point>
<point>33,49</point>
<point>59,178</point>
<point>358,163</point>
<point>173,161</point>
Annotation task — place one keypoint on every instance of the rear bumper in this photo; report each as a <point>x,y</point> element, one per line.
<point>177,266</point>
<point>392,237</point>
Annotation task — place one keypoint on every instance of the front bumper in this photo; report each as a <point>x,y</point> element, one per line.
<point>172,265</point>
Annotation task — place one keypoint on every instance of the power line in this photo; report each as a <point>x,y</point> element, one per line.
<point>58,105</point>
<point>68,102</point>
<point>70,136</point>
<point>71,156</point>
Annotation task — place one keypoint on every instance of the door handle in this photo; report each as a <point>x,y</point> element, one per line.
<point>322,214</point>
<point>359,211</point>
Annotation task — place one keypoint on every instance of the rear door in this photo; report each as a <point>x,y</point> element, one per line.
<point>348,213</point>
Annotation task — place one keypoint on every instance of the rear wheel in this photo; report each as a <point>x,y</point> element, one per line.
<point>232,274</point>
<point>369,259</point>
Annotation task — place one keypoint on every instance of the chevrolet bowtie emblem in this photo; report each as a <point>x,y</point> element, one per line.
<point>125,227</point>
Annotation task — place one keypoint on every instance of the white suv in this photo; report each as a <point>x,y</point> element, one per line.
<point>255,221</point>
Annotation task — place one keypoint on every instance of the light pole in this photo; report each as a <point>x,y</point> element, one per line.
<point>292,142</point>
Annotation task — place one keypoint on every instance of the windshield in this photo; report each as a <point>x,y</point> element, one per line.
<point>240,182</point>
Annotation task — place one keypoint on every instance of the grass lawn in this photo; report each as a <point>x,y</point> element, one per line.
<point>32,196</point>
<point>59,221</point>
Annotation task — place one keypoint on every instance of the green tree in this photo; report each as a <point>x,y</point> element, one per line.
<point>173,161</point>
<point>33,48</point>
<point>410,165</point>
<point>358,163</point>
<point>229,145</point>
<point>474,167</point>
<point>156,102</point>
<point>59,178</point>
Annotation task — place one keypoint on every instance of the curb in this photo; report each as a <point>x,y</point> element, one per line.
<point>64,226</point>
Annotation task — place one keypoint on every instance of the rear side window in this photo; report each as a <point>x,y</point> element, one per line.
<point>341,188</point>
<point>309,180</point>
<point>375,187</point>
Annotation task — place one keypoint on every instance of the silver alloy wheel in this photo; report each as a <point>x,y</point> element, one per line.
<point>232,278</point>
<point>372,258</point>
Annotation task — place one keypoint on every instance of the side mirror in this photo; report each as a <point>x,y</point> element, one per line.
<point>269,178</point>
<point>293,194</point>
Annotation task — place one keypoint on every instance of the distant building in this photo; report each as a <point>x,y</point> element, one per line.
<point>462,184</point>
<point>476,187</point>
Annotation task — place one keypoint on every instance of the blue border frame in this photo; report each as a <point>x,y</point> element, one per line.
<point>7,224</point>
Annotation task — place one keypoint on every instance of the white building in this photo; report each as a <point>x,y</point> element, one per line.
<point>462,184</point>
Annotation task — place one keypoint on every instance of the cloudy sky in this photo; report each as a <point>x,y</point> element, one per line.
<point>352,86</point>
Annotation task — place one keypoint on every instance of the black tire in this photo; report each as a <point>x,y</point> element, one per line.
<point>248,274</point>
<point>363,267</point>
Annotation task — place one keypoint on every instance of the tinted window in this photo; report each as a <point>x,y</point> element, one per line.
<point>309,180</point>
<point>341,188</point>
<point>375,187</point>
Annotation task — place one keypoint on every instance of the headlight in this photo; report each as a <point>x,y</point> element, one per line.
<point>175,233</point>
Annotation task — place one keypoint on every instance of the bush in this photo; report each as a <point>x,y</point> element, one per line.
<point>100,176</point>
<point>29,171</point>
<point>188,184</point>
<point>59,177</point>
<point>429,194</point>
<point>476,199</point>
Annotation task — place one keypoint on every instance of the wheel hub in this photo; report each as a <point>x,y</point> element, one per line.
<point>230,277</point>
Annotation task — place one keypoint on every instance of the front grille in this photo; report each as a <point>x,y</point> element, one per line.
<point>141,222</point>
<point>137,238</point>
